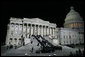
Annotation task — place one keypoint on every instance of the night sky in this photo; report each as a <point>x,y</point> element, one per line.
<point>53,11</point>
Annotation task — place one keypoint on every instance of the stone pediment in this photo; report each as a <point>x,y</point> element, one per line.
<point>36,21</point>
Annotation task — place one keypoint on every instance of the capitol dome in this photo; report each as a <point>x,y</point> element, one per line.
<point>73,15</point>
<point>73,19</point>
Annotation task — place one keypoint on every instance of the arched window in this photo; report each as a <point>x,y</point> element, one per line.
<point>19,43</point>
<point>10,41</point>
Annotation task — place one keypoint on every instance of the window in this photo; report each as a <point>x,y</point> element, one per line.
<point>19,39</point>
<point>10,38</point>
<point>10,41</point>
<point>64,36</point>
<point>69,36</point>
<point>15,39</point>
<point>12,33</point>
<point>67,41</point>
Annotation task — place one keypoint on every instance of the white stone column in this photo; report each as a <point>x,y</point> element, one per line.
<point>49,30</point>
<point>46,30</point>
<point>31,30</point>
<point>23,29</point>
<point>26,30</point>
<point>18,29</point>
<point>22,33</point>
<point>34,29</point>
<point>8,34</point>
<point>53,32</point>
<point>42,30</point>
<point>14,30</point>
<point>38,30</point>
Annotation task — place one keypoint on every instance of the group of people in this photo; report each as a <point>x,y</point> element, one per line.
<point>78,53</point>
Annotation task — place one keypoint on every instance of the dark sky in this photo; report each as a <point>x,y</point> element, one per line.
<point>53,11</point>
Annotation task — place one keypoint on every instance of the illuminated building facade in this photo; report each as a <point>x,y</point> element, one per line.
<point>73,20</point>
